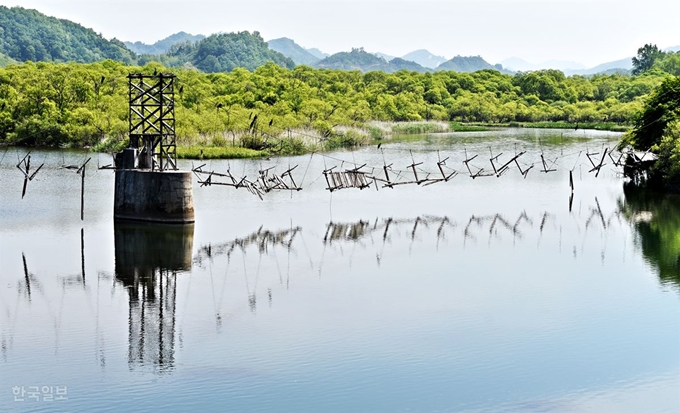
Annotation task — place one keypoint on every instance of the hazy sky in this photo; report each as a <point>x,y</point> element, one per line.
<point>589,32</point>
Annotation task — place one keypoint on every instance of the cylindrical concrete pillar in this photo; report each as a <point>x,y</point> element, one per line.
<point>153,196</point>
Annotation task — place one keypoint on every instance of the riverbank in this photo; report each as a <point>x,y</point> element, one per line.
<point>234,145</point>
<point>604,126</point>
<point>300,142</point>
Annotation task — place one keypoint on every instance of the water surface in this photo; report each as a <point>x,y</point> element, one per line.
<point>486,294</point>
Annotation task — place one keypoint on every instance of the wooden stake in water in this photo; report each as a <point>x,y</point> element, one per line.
<point>82,252</point>
<point>81,171</point>
<point>82,194</point>
<point>24,166</point>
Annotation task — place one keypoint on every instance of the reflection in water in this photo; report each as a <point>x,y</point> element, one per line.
<point>656,219</point>
<point>422,230</point>
<point>264,240</point>
<point>355,231</point>
<point>148,258</point>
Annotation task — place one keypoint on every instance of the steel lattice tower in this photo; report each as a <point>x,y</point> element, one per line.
<point>152,120</point>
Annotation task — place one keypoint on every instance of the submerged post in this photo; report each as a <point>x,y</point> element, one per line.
<point>148,186</point>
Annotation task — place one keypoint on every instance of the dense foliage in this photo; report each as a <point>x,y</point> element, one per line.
<point>646,56</point>
<point>657,129</point>
<point>649,57</point>
<point>86,104</point>
<point>30,35</point>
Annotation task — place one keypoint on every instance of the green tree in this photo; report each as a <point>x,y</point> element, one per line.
<point>657,130</point>
<point>646,56</point>
<point>662,108</point>
<point>669,64</point>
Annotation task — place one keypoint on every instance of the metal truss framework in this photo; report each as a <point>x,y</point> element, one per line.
<point>152,120</point>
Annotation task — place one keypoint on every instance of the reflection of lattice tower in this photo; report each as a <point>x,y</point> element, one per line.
<point>152,320</point>
<point>152,120</point>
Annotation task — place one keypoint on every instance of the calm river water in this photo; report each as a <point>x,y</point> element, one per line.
<point>488,294</point>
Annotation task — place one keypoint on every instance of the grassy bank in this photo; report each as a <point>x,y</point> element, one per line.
<point>608,126</point>
<point>217,152</point>
<point>467,127</point>
<point>292,143</point>
<point>299,142</point>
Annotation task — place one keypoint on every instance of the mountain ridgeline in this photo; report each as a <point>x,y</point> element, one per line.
<point>163,46</point>
<point>359,59</point>
<point>469,64</point>
<point>27,35</point>
<point>424,58</point>
<point>297,53</point>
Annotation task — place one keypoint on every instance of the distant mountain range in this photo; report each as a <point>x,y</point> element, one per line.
<point>358,59</point>
<point>421,56</point>
<point>297,53</point>
<point>387,57</point>
<point>424,58</point>
<point>470,64</point>
<point>29,35</point>
<point>163,46</point>
<point>518,64</point>
<point>574,68</point>
<point>318,53</point>
<point>568,67</point>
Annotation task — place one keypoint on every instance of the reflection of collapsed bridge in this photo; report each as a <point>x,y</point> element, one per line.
<point>263,239</point>
<point>254,257</point>
<point>471,228</point>
<point>416,230</point>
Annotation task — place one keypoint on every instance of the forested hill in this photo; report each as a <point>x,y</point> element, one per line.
<point>358,59</point>
<point>224,52</point>
<point>398,63</point>
<point>469,64</point>
<point>162,46</point>
<point>29,35</point>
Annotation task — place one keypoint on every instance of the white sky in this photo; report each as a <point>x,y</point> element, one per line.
<point>588,32</point>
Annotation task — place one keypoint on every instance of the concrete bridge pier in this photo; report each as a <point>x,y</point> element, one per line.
<point>153,196</point>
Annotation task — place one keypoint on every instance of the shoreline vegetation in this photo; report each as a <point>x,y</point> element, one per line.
<point>271,108</point>
<point>273,111</point>
<point>308,141</point>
